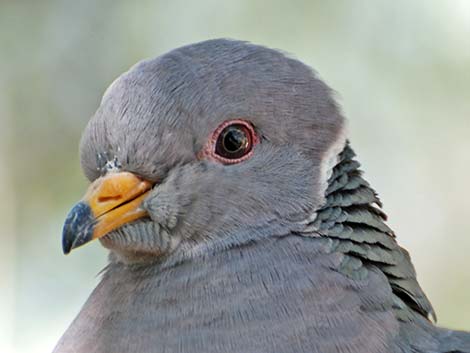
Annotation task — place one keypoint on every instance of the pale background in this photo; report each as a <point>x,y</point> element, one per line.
<point>401,70</point>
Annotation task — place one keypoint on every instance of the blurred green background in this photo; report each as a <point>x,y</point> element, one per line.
<point>401,70</point>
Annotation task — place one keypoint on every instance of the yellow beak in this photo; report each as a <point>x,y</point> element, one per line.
<point>110,202</point>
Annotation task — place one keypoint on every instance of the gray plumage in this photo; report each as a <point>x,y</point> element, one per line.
<point>287,251</point>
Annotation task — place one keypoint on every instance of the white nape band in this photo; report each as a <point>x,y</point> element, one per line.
<point>331,158</point>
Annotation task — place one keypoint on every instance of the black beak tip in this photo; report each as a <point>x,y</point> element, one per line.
<point>66,246</point>
<point>78,227</point>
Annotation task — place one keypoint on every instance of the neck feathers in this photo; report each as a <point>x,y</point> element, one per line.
<point>353,219</point>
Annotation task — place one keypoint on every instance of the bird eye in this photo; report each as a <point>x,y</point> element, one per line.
<point>232,142</point>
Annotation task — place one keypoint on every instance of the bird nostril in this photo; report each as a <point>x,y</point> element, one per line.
<point>109,198</point>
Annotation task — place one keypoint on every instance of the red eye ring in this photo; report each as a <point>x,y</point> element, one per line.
<point>232,142</point>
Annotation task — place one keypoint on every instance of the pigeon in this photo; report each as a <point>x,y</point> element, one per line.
<point>237,218</point>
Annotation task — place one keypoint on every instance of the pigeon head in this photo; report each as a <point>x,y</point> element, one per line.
<point>210,145</point>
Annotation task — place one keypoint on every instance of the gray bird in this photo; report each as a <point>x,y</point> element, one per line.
<point>237,219</point>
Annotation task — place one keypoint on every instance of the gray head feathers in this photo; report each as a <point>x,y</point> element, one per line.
<point>155,118</point>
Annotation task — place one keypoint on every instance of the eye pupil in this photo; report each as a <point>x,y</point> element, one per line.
<point>234,139</point>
